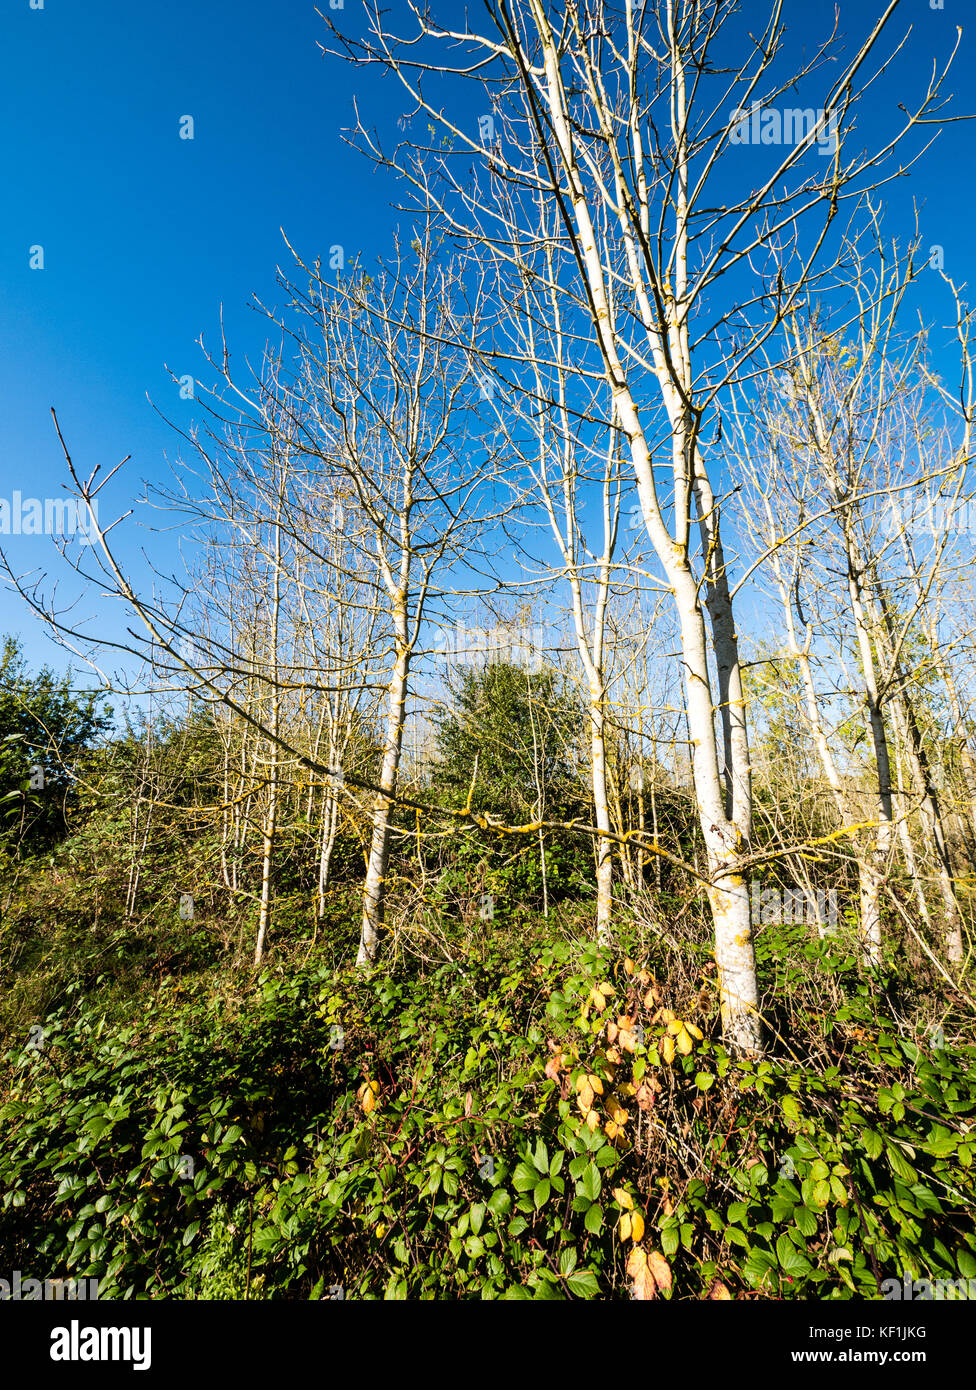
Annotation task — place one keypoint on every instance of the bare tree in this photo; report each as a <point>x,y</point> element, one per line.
<point>626,121</point>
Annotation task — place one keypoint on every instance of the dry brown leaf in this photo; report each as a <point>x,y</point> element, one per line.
<point>661,1270</point>
<point>645,1096</point>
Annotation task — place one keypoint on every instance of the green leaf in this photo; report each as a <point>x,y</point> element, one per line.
<point>500,1203</point>
<point>524,1178</point>
<point>541,1193</point>
<point>594,1219</point>
<point>583,1284</point>
<point>591,1182</point>
<point>806,1221</point>
<point>757,1268</point>
<point>791,1109</point>
<point>941,1142</point>
<point>898,1164</point>
<point>792,1261</point>
<point>873,1143</point>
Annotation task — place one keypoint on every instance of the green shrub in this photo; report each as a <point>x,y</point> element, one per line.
<point>437,1132</point>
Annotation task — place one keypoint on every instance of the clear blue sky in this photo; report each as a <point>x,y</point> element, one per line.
<point>145,235</point>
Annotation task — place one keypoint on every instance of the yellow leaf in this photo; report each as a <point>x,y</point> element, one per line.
<point>695,1033</point>
<point>596,1083</point>
<point>624,1198</point>
<point>629,966</point>
<point>683,1042</point>
<point>616,1111</point>
<point>625,1226</point>
<point>367,1096</point>
<point>637,1227</point>
<point>719,1291</point>
<point>592,1121</point>
<point>667,1049</point>
<point>381,1230</point>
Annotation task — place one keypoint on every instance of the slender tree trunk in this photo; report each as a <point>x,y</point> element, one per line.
<point>601,809</point>
<point>374,893</point>
<point>905,835</point>
<point>268,838</point>
<point>910,735</point>
<point>728,892</point>
<point>875,866</point>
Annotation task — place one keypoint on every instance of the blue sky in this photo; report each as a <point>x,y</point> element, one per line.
<point>145,235</point>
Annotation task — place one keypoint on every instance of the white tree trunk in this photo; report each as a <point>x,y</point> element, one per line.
<point>374,893</point>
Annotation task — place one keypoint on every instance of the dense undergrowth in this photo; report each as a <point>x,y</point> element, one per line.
<point>535,1118</point>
